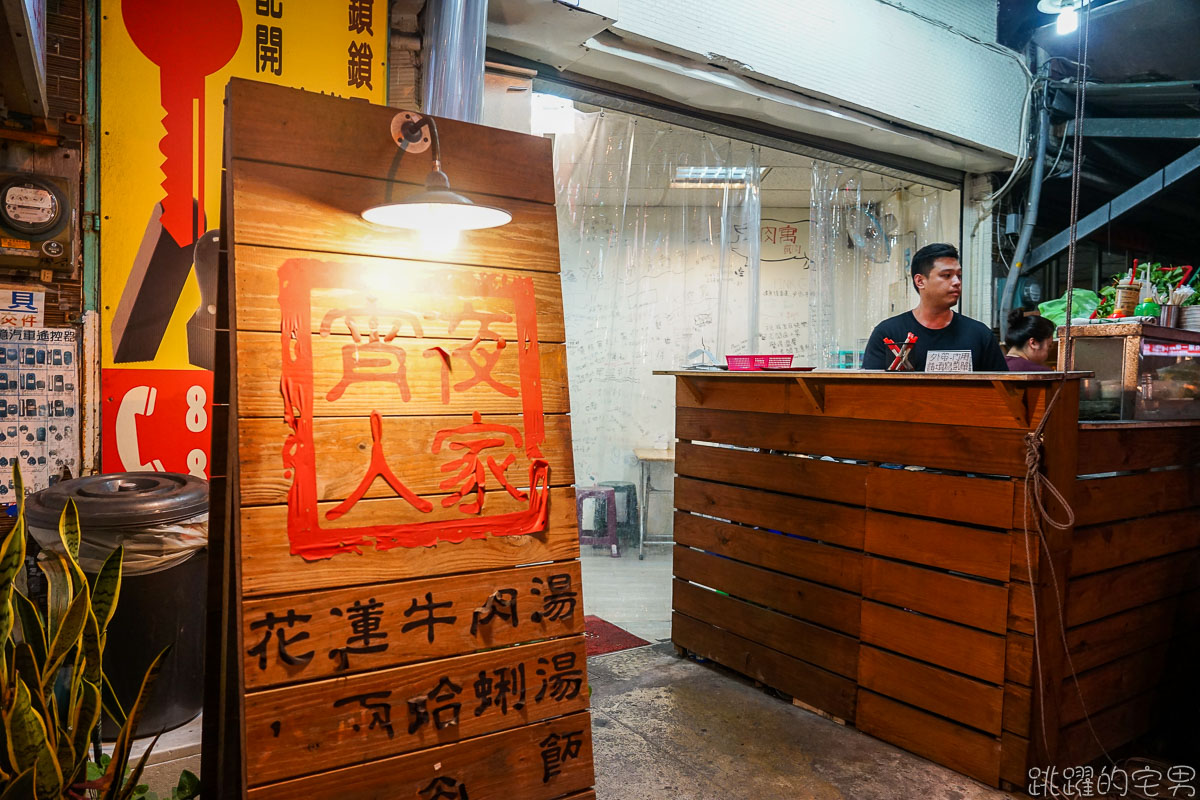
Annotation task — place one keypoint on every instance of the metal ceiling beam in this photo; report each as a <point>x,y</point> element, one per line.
<point>1139,193</point>
<point>1139,127</point>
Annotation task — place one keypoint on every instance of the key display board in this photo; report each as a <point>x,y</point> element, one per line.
<point>400,612</point>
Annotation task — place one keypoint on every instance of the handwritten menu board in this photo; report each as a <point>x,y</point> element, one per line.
<point>403,613</point>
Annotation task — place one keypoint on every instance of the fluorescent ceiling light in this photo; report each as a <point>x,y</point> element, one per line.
<point>713,177</point>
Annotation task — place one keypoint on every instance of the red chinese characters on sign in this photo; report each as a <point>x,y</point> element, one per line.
<point>476,455</point>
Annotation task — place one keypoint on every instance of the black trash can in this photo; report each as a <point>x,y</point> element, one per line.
<point>162,520</point>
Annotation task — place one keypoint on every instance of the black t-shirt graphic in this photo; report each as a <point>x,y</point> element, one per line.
<point>962,334</point>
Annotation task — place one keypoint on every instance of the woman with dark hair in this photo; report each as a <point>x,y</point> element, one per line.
<point>1028,340</point>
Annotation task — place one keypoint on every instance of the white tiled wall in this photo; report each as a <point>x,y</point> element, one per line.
<point>868,54</point>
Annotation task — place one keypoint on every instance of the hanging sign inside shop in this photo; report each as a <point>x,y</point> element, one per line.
<point>399,453</point>
<point>163,77</point>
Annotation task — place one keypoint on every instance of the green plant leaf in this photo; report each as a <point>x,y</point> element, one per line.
<point>12,554</point>
<point>66,638</point>
<point>112,705</point>
<point>58,589</point>
<point>32,630</point>
<point>132,784</point>
<point>19,487</point>
<point>188,787</point>
<point>68,528</point>
<point>106,589</point>
<point>28,745</point>
<point>93,649</point>
<point>86,717</point>
<point>21,788</point>
<point>124,741</point>
<point>30,672</point>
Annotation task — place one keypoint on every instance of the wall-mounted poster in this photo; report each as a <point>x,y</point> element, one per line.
<point>162,79</point>
<point>39,407</point>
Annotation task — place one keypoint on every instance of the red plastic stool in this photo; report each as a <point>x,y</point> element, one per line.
<point>607,496</point>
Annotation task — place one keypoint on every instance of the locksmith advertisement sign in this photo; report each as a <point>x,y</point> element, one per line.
<point>162,79</point>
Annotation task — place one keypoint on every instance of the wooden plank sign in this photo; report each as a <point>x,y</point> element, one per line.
<point>399,610</point>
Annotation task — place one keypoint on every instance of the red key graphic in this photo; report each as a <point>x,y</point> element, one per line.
<point>189,41</point>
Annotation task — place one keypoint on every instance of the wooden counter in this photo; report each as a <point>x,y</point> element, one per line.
<point>856,540</point>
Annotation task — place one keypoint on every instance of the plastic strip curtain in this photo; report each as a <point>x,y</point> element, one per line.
<point>650,274</point>
<point>864,232</point>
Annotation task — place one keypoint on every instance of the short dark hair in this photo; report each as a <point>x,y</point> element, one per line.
<point>922,260</point>
<point>1022,327</point>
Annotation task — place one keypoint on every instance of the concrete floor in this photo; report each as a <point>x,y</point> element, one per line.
<point>668,727</point>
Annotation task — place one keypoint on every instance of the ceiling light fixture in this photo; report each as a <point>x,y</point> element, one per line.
<point>1067,12</point>
<point>437,213</point>
<point>713,177</point>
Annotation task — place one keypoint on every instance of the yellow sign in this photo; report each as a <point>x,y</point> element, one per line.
<point>19,243</point>
<point>162,83</point>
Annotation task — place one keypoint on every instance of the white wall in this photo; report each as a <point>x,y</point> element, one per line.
<point>864,53</point>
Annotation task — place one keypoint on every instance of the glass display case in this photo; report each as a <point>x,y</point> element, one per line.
<point>1142,371</point>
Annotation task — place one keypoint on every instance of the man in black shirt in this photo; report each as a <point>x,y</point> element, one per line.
<point>946,341</point>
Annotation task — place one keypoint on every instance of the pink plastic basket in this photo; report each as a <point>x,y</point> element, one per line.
<point>758,362</point>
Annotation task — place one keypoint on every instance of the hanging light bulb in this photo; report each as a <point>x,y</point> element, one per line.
<point>1067,22</point>
<point>437,213</point>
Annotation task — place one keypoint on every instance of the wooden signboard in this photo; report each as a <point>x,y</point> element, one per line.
<point>400,612</point>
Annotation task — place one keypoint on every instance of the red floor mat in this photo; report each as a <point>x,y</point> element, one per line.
<point>604,637</point>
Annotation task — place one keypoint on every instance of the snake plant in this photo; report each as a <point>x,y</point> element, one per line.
<point>52,686</point>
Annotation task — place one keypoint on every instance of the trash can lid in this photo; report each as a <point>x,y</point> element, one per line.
<point>121,500</point>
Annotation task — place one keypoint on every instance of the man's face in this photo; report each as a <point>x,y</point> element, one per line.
<point>943,286</point>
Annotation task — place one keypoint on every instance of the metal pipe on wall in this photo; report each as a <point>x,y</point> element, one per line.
<point>454,42</point>
<point>1031,212</point>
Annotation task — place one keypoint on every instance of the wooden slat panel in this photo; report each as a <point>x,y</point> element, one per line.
<point>402,606</point>
<point>975,501</point>
<point>281,206</point>
<point>499,766</point>
<point>939,740</point>
<point>1113,683</point>
<point>1134,448</point>
<point>974,403</point>
<point>1018,659</point>
<point>820,604</point>
<point>1112,637</point>
<point>977,404</point>
<point>426,288</point>
<point>324,726</point>
<point>955,547</point>
<point>768,395</point>
<point>955,647</point>
<point>1020,607</point>
<point>1128,496</point>
<point>816,687</point>
<point>992,451</point>
<point>267,565</point>
<point>1114,727</point>
<point>279,124</point>
<point>1025,549</point>
<point>813,561</point>
<point>1014,759</point>
<point>1107,593</point>
<point>1018,708</point>
<point>1101,547</point>
<point>948,695</point>
<point>825,522</point>
<point>808,477</point>
<point>344,456</point>
<point>835,652</point>
<point>936,594</point>
<point>259,371</point>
